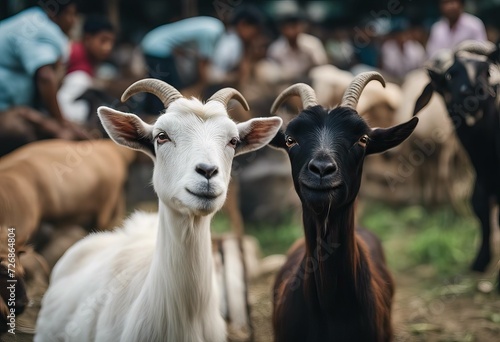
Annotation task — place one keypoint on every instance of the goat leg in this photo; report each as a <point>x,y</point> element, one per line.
<point>482,208</point>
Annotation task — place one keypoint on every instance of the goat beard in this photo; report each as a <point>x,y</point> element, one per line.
<point>325,203</point>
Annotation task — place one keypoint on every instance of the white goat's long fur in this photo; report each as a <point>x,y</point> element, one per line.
<point>153,279</point>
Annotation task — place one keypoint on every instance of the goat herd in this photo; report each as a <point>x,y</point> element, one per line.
<point>155,279</point>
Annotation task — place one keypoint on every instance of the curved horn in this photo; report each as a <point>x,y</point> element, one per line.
<point>473,46</point>
<point>164,91</point>
<point>306,93</point>
<point>225,95</point>
<point>353,92</point>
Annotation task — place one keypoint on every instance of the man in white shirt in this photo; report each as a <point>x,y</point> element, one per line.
<point>400,53</point>
<point>296,52</point>
<point>455,27</point>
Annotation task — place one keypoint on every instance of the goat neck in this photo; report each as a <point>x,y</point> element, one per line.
<point>179,284</point>
<point>331,243</point>
<point>480,136</point>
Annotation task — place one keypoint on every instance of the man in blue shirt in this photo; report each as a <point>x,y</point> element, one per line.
<point>179,53</point>
<point>33,49</point>
<point>231,52</point>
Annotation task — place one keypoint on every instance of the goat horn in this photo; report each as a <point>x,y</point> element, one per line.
<point>164,91</point>
<point>353,92</point>
<point>306,93</point>
<point>479,48</point>
<point>225,95</point>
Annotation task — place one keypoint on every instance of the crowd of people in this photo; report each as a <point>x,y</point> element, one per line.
<point>43,75</point>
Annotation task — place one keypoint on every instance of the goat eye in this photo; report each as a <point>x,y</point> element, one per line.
<point>363,140</point>
<point>447,76</point>
<point>290,142</point>
<point>234,142</point>
<point>162,137</point>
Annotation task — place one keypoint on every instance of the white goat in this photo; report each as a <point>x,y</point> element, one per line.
<point>153,279</point>
<point>435,139</point>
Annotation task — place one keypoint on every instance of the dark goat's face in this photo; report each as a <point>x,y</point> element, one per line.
<point>464,85</point>
<point>327,150</point>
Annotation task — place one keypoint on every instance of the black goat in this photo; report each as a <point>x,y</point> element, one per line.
<point>473,108</point>
<point>335,285</point>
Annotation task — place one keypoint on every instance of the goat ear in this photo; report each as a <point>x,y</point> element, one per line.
<point>278,141</point>
<point>437,79</point>
<point>382,139</point>
<point>256,133</point>
<point>127,130</point>
<point>424,98</point>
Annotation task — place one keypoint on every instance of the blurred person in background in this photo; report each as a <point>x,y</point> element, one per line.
<point>86,55</point>
<point>259,75</point>
<point>232,58</point>
<point>33,50</point>
<point>180,53</point>
<point>366,43</point>
<point>454,27</point>
<point>418,32</point>
<point>295,51</point>
<point>401,54</point>
<point>339,48</point>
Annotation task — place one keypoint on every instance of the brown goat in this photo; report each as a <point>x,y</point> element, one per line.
<point>59,181</point>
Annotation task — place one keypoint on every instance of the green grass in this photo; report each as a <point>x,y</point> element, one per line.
<point>411,236</point>
<point>276,239</point>
<point>414,236</point>
<point>273,239</point>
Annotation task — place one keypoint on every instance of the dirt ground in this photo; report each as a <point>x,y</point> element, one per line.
<point>445,312</point>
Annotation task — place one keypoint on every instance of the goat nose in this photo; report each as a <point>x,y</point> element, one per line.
<point>207,171</point>
<point>322,167</point>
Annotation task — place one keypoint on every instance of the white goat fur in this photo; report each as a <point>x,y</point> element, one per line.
<point>434,117</point>
<point>435,128</point>
<point>153,279</point>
